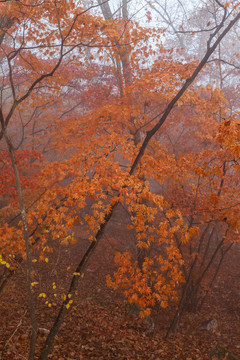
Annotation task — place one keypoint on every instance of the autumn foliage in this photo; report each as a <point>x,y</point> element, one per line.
<point>84,101</point>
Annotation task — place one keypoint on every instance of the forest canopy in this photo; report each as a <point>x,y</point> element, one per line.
<point>127,111</point>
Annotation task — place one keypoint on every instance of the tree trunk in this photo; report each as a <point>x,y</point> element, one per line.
<point>27,246</point>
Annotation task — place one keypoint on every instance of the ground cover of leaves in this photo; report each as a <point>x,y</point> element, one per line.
<point>97,326</point>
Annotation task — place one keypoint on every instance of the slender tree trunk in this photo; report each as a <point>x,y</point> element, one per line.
<point>149,136</point>
<point>27,246</point>
<point>73,286</point>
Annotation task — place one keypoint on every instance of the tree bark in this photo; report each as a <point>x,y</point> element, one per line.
<point>27,246</point>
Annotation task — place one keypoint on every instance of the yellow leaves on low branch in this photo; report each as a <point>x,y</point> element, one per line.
<point>3,262</point>
<point>69,304</point>
<point>42,295</point>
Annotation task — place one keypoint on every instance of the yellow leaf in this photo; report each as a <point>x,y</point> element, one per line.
<point>42,295</point>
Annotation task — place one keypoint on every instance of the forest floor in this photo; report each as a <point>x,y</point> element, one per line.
<point>97,326</point>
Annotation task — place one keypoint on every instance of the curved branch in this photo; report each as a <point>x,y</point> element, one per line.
<point>81,266</point>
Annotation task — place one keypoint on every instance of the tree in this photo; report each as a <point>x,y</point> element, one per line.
<point>92,143</point>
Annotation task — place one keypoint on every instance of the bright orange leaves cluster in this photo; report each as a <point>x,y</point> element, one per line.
<point>89,148</point>
<point>155,282</point>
